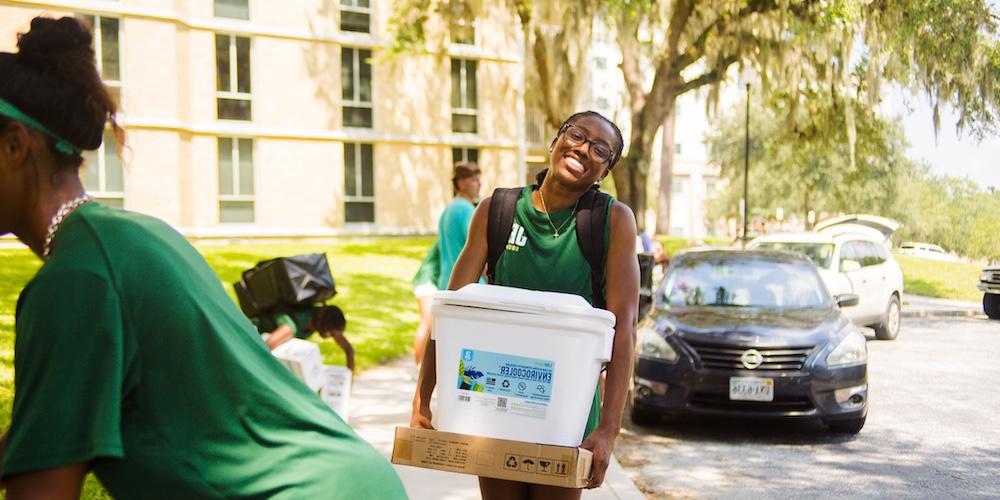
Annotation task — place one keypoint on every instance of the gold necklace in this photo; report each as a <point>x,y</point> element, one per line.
<point>555,230</point>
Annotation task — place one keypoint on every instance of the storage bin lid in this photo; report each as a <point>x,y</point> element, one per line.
<point>505,298</point>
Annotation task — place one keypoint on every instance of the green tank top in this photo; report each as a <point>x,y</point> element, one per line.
<point>535,259</point>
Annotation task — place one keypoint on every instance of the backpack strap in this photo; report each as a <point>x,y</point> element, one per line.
<point>590,217</point>
<point>503,203</point>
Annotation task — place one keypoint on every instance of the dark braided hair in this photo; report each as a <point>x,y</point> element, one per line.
<point>617,155</point>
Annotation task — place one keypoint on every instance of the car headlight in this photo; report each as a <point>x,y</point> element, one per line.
<point>985,276</point>
<point>852,350</point>
<point>652,345</point>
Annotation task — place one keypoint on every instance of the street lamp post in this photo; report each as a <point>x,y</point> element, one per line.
<point>746,167</point>
<point>747,77</point>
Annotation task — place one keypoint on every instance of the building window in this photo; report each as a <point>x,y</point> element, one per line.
<point>235,9</point>
<point>677,149</point>
<point>355,15</point>
<point>103,175</point>
<point>460,155</point>
<point>107,33</point>
<point>356,77</point>
<point>602,103</point>
<point>463,24</point>
<point>463,96</point>
<point>677,186</point>
<point>600,62</point>
<point>236,200</point>
<point>232,66</point>
<point>710,189</point>
<point>359,183</point>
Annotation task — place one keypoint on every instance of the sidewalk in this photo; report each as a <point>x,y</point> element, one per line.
<point>916,306</point>
<point>380,401</point>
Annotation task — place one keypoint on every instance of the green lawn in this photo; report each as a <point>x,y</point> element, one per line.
<point>946,280</point>
<point>373,288</point>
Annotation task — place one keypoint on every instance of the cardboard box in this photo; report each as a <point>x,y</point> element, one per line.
<point>336,392</point>
<point>496,458</point>
<point>304,360</point>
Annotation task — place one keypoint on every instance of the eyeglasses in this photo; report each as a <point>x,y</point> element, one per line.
<point>576,137</point>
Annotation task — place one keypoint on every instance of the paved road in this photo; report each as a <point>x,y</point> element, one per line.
<point>932,432</point>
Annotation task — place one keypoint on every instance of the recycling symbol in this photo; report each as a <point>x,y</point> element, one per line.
<point>511,462</point>
<point>506,384</point>
<point>541,388</point>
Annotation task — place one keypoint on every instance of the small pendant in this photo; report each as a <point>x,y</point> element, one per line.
<point>555,234</point>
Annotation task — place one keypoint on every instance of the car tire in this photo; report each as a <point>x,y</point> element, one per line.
<point>888,329</point>
<point>991,305</point>
<point>851,426</point>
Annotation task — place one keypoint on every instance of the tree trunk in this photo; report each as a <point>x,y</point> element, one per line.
<point>630,176</point>
<point>630,183</point>
<point>665,198</point>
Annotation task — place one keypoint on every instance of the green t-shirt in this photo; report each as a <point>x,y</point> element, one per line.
<point>534,259</point>
<point>297,319</point>
<point>453,230</point>
<point>430,268</point>
<point>129,355</point>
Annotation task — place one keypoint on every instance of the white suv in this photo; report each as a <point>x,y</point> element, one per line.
<point>853,258</point>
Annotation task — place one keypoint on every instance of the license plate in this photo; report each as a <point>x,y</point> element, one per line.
<point>751,389</point>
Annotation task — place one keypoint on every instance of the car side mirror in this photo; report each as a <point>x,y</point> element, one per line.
<point>848,265</point>
<point>847,300</point>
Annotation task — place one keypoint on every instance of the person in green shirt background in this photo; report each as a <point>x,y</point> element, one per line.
<point>130,360</point>
<point>301,322</point>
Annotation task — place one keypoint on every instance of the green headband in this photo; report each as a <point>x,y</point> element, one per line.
<point>62,145</point>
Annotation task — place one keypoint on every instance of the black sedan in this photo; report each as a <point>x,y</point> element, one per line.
<point>750,334</point>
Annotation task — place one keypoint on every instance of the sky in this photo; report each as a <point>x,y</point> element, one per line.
<point>949,153</point>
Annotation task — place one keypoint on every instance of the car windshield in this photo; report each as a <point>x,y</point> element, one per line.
<point>820,253</point>
<point>744,283</point>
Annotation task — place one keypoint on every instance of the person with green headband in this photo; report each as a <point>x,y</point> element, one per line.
<point>130,361</point>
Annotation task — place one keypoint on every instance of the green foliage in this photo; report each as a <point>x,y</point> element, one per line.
<point>801,158</point>
<point>373,278</point>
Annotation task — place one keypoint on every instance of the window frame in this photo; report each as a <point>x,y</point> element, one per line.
<point>356,81</point>
<point>102,192</point>
<point>463,108</point>
<point>234,93</point>
<point>463,154</point>
<point>215,12</point>
<point>357,10</point>
<point>234,158</point>
<point>358,180</point>
<point>118,84</point>
<point>469,21</point>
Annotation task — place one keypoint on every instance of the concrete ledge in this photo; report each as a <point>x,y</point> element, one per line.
<point>943,314</point>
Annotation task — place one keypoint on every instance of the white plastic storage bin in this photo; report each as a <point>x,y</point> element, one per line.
<point>518,364</point>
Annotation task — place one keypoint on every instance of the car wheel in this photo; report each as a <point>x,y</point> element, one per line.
<point>888,329</point>
<point>991,305</point>
<point>852,426</point>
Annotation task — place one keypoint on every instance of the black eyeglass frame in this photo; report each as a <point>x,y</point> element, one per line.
<point>592,142</point>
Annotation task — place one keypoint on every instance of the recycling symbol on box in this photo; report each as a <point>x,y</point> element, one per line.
<point>506,384</point>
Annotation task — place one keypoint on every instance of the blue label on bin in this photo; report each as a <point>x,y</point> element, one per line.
<point>506,375</point>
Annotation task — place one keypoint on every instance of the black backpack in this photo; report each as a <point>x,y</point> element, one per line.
<point>591,213</point>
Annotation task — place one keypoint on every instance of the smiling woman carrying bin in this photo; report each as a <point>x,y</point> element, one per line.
<point>587,146</point>
<point>130,360</point>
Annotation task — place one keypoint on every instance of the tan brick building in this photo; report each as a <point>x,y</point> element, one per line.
<point>287,118</point>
